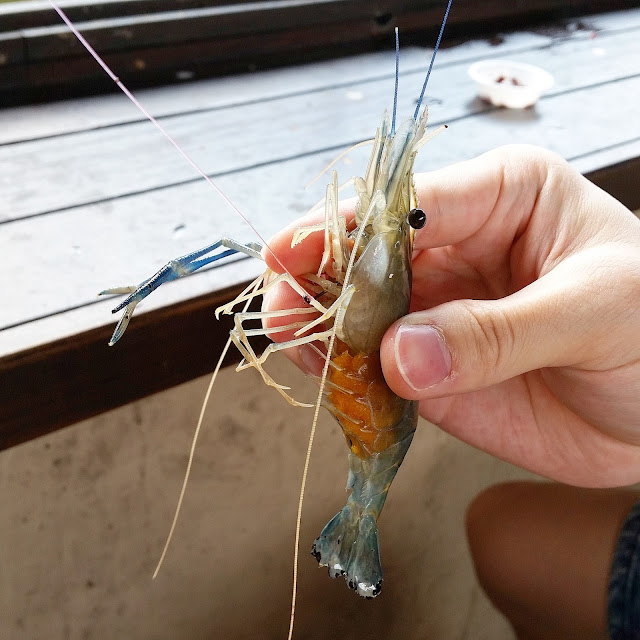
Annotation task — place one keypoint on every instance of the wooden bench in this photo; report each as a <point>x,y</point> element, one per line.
<point>92,196</point>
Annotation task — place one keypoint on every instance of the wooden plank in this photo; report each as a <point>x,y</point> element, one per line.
<point>11,49</point>
<point>283,128</point>
<point>41,330</point>
<point>68,77</point>
<point>40,389</point>
<point>29,122</point>
<point>259,33</point>
<point>166,27</point>
<point>620,178</point>
<point>42,120</point>
<point>38,13</point>
<point>57,118</point>
<point>559,123</point>
<point>128,239</point>
<point>35,13</point>
<point>25,15</point>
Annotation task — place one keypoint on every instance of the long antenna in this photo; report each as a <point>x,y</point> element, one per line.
<point>143,110</point>
<point>395,92</point>
<point>433,57</point>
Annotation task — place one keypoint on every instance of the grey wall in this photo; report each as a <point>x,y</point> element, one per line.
<point>85,512</point>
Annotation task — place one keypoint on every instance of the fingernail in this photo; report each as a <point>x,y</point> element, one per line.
<point>311,361</point>
<point>422,356</point>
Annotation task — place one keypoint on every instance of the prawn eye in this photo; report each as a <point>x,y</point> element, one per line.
<point>417,218</point>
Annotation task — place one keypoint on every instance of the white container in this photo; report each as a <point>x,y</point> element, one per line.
<point>510,84</point>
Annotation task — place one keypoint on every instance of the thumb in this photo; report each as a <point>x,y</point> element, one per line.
<point>570,316</point>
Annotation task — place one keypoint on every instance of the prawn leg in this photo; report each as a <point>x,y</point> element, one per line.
<point>174,269</point>
<point>240,336</point>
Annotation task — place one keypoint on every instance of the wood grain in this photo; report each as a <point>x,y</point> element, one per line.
<point>149,42</point>
<point>282,128</point>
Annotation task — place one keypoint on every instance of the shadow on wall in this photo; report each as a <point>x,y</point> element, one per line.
<point>86,511</point>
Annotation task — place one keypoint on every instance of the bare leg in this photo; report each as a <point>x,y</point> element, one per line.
<point>543,551</point>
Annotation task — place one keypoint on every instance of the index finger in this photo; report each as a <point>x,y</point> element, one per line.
<point>500,186</point>
<point>498,189</point>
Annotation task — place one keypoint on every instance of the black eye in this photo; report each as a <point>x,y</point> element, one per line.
<point>417,218</point>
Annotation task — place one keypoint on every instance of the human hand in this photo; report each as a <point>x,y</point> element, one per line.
<point>524,336</point>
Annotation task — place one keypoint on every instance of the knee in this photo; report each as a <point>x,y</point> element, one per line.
<point>488,533</point>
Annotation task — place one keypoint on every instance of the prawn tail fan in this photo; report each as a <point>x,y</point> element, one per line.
<point>348,545</point>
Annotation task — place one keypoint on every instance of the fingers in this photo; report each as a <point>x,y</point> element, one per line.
<point>580,314</point>
<point>499,188</point>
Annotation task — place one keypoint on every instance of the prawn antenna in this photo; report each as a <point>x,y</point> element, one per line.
<point>194,440</point>
<point>433,57</point>
<point>160,128</point>
<point>395,91</point>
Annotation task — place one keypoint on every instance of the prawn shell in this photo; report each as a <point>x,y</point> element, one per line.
<point>382,282</point>
<point>364,406</point>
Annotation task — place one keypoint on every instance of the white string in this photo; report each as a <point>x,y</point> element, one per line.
<point>162,130</point>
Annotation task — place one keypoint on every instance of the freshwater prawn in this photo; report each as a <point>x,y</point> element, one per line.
<point>362,286</point>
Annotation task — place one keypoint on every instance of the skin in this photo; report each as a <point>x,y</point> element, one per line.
<point>524,341</point>
<point>542,552</point>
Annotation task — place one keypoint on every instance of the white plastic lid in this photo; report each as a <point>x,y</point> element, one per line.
<point>510,84</point>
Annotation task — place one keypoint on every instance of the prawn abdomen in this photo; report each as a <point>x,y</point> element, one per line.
<point>349,543</point>
<point>379,427</point>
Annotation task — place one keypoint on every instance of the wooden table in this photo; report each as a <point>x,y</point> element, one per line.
<point>92,196</point>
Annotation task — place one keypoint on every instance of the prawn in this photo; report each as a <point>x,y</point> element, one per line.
<point>362,286</point>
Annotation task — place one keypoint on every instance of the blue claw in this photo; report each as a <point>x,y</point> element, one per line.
<point>174,269</point>
<point>123,323</point>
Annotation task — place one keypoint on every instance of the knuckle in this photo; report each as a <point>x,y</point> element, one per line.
<point>522,161</point>
<point>491,336</point>
<point>528,154</point>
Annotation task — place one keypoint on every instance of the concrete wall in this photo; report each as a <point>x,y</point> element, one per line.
<point>85,512</point>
